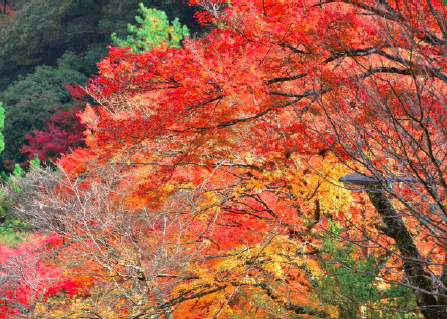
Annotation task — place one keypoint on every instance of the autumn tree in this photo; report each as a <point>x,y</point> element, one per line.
<point>164,218</point>
<point>27,277</point>
<point>62,133</point>
<point>391,122</point>
<point>208,180</point>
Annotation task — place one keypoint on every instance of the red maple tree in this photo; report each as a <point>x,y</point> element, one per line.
<point>62,133</point>
<point>209,176</point>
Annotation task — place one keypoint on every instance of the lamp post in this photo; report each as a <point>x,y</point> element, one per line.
<point>358,182</point>
<point>430,306</point>
<point>361,182</point>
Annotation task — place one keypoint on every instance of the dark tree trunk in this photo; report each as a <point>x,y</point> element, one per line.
<point>411,259</point>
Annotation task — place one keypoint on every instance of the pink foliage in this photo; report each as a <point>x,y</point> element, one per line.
<point>26,275</point>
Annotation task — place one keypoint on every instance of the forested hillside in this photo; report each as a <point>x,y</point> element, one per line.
<point>290,162</point>
<point>45,44</point>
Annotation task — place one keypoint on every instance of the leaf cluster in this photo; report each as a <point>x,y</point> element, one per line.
<point>153,29</point>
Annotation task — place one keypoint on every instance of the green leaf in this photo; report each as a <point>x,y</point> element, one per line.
<point>153,30</point>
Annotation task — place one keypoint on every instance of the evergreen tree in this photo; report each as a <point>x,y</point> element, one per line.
<point>352,283</point>
<point>153,29</point>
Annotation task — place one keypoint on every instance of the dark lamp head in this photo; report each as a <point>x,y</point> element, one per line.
<point>358,182</point>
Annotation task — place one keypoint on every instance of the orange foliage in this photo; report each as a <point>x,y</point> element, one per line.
<point>211,169</point>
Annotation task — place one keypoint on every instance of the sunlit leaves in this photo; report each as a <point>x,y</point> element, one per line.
<point>210,180</point>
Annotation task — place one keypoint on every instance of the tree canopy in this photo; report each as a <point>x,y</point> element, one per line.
<point>209,188</point>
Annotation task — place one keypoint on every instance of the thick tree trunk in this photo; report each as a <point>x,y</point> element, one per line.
<point>411,259</point>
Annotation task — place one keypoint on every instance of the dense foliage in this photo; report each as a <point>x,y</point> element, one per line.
<point>209,188</point>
